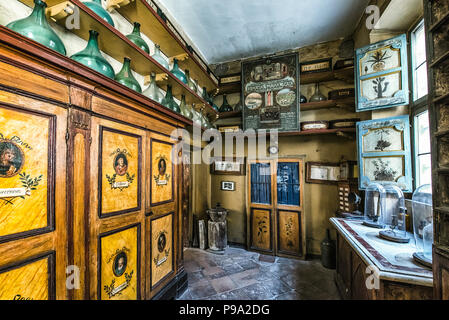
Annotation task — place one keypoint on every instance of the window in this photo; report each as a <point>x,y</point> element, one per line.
<point>423,168</point>
<point>419,63</point>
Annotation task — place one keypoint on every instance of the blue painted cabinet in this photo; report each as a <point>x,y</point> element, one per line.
<point>384,152</point>
<point>381,73</point>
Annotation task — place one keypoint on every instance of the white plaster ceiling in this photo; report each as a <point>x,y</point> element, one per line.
<point>234,29</point>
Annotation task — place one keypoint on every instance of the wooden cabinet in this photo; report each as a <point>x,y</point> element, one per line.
<point>88,184</point>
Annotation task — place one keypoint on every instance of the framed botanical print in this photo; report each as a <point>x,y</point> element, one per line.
<point>384,152</point>
<point>382,75</point>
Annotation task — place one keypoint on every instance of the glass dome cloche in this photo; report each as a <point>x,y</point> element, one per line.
<point>375,201</point>
<point>37,28</point>
<point>394,217</point>
<point>95,6</point>
<point>422,212</point>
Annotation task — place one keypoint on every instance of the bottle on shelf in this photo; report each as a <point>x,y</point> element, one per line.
<point>126,77</point>
<point>95,6</point>
<point>302,99</point>
<point>208,99</point>
<point>158,57</point>
<point>137,39</point>
<point>190,83</point>
<point>153,91</point>
<point>317,96</point>
<point>185,109</point>
<point>37,28</point>
<point>92,57</point>
<point>177,72</point>
<point>225,106</point>
<point>169,102</point>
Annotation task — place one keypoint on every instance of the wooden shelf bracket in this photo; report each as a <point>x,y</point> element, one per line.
<point>60,11</point>
<point>116,4</point>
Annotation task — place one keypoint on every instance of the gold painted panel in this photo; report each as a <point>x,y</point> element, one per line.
<point>161,248</point>
<point>27,282</point>
<point>120,160</point>
<point>261,229</point>
<point>161,172</point>
<point>289,232</point>
<point>120,265</point>
<point>24,176</point>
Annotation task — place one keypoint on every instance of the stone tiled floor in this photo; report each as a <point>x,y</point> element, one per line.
<point>240,275</point>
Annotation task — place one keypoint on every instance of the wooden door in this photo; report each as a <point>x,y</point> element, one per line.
<point>275,207</point>
<point>33,221</point>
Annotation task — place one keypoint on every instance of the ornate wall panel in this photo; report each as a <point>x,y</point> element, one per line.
<point>27,154</point>
<point>162,239</point>
<point>261,230</point>
<point>32,279</point>
<point>119,172</point>
<point>119,264</point>
<point>289,232</point>
<point>162,184</point>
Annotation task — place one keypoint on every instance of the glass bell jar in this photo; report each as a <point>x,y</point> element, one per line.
<point>375,200</point>
<point>422,212</point>
<point>126,77</point>
<point>153,91</point>
<point>95,6</point>
<point>394,217</point>
<point>37,28</point>
<point>92,57</point>
<point>137,39</point>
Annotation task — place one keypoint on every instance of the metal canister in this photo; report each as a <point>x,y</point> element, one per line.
<point>328,252</point>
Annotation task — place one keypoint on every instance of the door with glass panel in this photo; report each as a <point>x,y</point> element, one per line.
<point>275,210</point>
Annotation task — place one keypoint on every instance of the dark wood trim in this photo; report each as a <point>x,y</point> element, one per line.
<point>154,204</point>
<point>252,247</point>
<point>108,233</point>
<point>51,168</point>
<point>51,260</point>
<point>100,173</point>
<point>155,286</point>
<point>300,244</point>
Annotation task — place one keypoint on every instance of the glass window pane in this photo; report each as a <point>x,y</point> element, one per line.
<point>260,183</point>
<point>288,183</point>
<point>424,170</point>
<point>421,81</point>
<point>420,46</point>
<point>423,133</point>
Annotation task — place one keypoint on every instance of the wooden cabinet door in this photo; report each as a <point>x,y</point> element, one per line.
<point>117,211</point>
<point>33,222</point>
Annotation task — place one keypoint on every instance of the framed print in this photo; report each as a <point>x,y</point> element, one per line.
<point>322,172</point>
<point>162,262</point>
<point>270,92</point>
<point>120,163</point>
<point>119,264</point>
<point>223,166</point>
<point>162,171</point>
<point>382,75</point>
<point>384,152</point>
<point>228,186</point>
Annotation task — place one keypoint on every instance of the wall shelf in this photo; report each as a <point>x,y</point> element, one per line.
<point>114,43</point>
<point>434,27</point>
<point>231,114</point>
<point>443,58</point>
<point>338,132</point>
<point>345,74</point>
<point>328,104</point>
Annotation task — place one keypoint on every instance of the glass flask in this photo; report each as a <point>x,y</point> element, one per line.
<point>158,57</point>
<point>169,101</point>
<point>92,57</point>
<point>95,6</point>
<point>37,28</point>
<point>422,212</point>
<point>317,96</point>
<point>126,77</point>
<point>375,201</point>
<point>225,106</point>
<point>208,99</point>
<point>185,109</point>
<point>177,72</point>
<point>137,39</point>
<point>238,106</point>
<point>153,91</point>
<point>394,217</point>
<point>302,99</point>
<point>196,117</point>
<point>190,83</point>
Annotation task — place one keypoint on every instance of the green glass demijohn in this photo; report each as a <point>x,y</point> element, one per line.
<point>190,83</point>
<point>169,102</point>
<point>208,99</point>
<point>158,57</point>
<point>196,117</point>
<point>95,6</point>
<point>137,39</point>
<point>92,57</point>
<point>185,110</point>
<point>153,91</point>
<point>177,72</point>
<point>126,77</point>
<point>37,28</point>
<point>225,106</point>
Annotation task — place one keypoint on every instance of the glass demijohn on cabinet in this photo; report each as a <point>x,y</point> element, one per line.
<point>95,6</point>
<point>394,217</point>
<point>168,100</point>
<point>126,77</point>
<point>137,39</point>
<point>423,224</point>
<point>375,200</point>
<point>158,57</point>
<point>153,91</point>
<point>177,72</point>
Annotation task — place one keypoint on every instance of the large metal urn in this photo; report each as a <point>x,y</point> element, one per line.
<point>217,229</point>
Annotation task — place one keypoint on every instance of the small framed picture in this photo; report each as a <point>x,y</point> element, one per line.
<point>228,186</point>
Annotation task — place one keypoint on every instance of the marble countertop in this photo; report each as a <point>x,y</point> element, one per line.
<point>394,260</point>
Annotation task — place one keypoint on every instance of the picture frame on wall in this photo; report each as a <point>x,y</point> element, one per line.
<point>384,152</point>
<point>322,172</point>
<point>382,75</point>
<point>228,166</point>
<point>228,186</point>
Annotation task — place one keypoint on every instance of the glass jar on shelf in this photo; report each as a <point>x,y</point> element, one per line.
<point>422,212</point>
<point>375,201</point>
<point>136,38</point>
<point>395,215</point>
